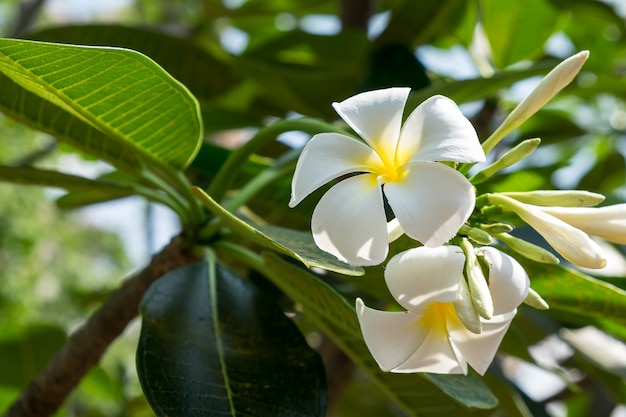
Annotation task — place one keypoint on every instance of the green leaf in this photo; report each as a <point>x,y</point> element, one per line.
<point>528,23</point>
<point>464,91</point>
<point>570,291</point>
<point>297,244</point>
<point>415,393</point>
<point>24,351</point>
<point>114,104</point>
<point>418,22</point>
<point>48,178</point>
<point>181,58</point>
<point>211,343</point>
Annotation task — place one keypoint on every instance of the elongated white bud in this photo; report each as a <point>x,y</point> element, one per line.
<point>562,198</point>
<point>549,86</point>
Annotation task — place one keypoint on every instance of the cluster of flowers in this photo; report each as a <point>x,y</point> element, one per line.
<point>459,299</point>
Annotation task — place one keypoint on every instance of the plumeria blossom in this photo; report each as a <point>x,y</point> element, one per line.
<point>430,336</point>
<point>430,200</point>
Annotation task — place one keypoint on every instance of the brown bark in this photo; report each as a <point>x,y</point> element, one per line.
<point>85,347</point>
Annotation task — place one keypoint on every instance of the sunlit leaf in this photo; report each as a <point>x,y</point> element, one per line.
<point>114,104</point>
<point>213,344</point>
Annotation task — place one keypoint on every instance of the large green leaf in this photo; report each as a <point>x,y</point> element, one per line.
<point>211,343</point>
<point>113,103</point>
<point>415,393</point>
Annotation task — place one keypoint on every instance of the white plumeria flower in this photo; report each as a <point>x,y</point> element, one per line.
<point>430,200</point>
<point>429,336</point>
<point>607,222</point>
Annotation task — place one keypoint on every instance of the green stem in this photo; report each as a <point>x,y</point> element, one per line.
<point>227,173</point>
<point>245,256</point>
<point>178,203</point>
<point>257,184</point>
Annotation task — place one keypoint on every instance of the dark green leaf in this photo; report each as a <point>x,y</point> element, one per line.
<point>212,344</point>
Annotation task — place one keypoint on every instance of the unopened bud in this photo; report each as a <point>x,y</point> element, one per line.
<point>511,157</point>
<point>496,228</point>
<point>534,300</point>
<point>527,249</point>
<point>465,310</point>
<point>476,235</point>
<point>478,287</point>
<point>549,86</point>
<point>561,198</point>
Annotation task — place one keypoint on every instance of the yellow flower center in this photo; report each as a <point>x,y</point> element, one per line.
<point>437,317</point>
<point>389,170</point>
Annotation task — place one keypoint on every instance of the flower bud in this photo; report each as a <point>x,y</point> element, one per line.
<point>496,228</point>
<point>465,310</point>
<point>572,243</point>
<point>562,198</point>
<point>478,287</point>
<point>549,86</point>
<point>607,222</point>
<point>476,235</point>
<point>527,249</point>
<point>534,300</point>
<point>514,155</point>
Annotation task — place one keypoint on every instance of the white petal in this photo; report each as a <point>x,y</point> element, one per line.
<point>325,157</point>
<point>508,282</point>
<point>421,276</point>
<point>390,336</point>
<point>349,221</point>
<point>437,131</point>
<point>377,117</point>
<point>480,349</point>
<point>431,202</point>
<point>436,354</point>
<point>607,222</point>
